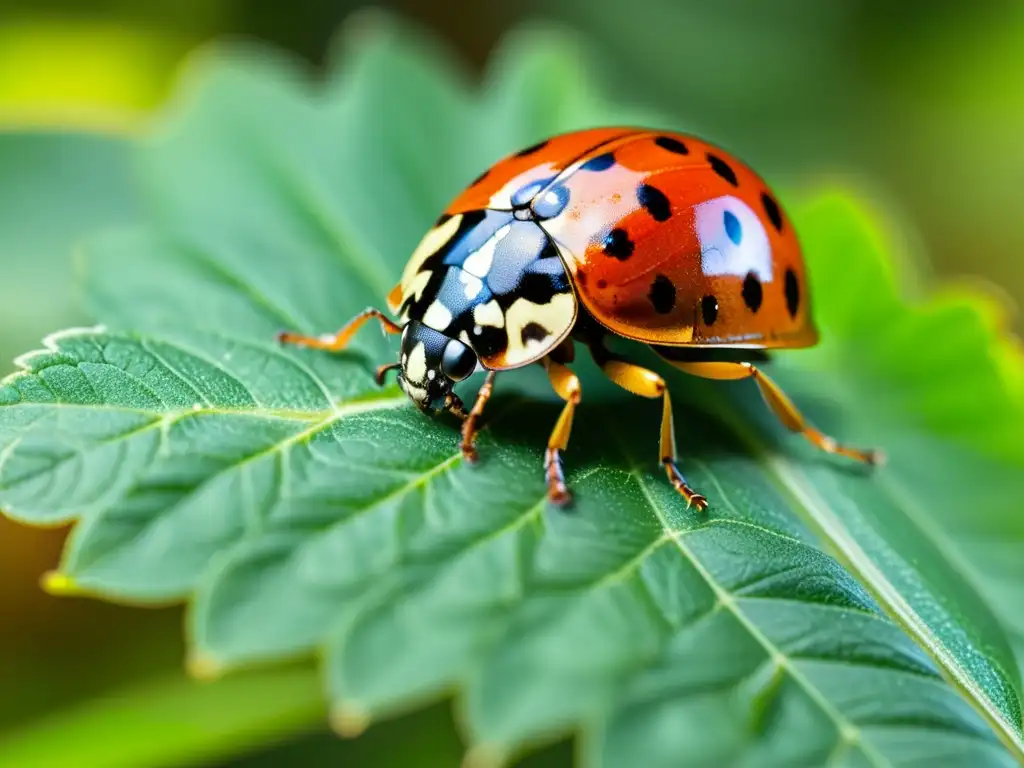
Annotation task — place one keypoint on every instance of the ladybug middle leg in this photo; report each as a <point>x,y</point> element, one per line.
<point>780,404</point>
<point>640,381</point>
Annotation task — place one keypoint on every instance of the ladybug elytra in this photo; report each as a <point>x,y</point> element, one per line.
<point>654,236</point>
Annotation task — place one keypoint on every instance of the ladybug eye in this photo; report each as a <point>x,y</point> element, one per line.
<point>458,361</point>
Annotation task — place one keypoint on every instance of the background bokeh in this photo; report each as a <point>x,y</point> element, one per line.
<point>920,104</point>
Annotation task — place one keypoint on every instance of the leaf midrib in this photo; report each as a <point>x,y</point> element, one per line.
<point>318,421</point>
<point>814,510</point>
<point>848,733</point>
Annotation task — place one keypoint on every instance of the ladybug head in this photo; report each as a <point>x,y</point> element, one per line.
<point>430,365</point>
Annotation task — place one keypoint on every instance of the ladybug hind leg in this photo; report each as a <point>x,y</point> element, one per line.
<point>341,339</point>
<point>640,381</point>
<point>780,405</point>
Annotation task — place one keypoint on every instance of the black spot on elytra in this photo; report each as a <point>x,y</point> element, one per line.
<point>533,332</point>
<point>601,284</point>
<point>487,341</point>
<point>792,293</point>
<point>709,309</point>
<point>723,169</point>
<point>672,145</point>
<point>535,287</point>
<point>618,245</point>
<point>771,209</point>
<point>531,149</point>
<point>654,202</point>
<point>753,294</point>
<point>599,163</point>
<point>662,295</point>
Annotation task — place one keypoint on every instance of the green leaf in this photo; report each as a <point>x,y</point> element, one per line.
<point>816,614</point>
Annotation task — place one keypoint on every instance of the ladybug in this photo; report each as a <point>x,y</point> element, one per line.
<point>654,236</point>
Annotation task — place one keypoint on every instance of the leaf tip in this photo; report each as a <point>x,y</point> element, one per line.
<point>484,756</point>
<point>201,666</point>
<point>349,720</point>
<point>59,584</point>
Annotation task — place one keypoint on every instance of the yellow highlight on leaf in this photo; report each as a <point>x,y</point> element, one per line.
<point>60,584</point>
<point>483,756</point>
<point>82,73</point>
<point>349,720</point>
<point>203,667</point>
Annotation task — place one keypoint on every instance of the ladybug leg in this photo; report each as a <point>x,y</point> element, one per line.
<point>640,381</point>
<point>566,386</point>
<point>340,340</point>
<point>469,424</point>
<point>780,405</point>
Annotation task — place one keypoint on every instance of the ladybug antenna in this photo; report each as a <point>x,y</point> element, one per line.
<point>382,372</point>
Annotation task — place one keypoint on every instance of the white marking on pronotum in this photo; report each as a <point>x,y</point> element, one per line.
<point>489,314</point>
<point>417,285</point>
<point>437,316</point>
<point>479,262</point>
<point>471,284</point>
<point>431,243</point>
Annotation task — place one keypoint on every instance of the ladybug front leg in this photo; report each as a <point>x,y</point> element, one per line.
<point>567,386</point>
<point>340,340</point>
<point>640,381</point>
<point>469,424</point>
<point>780,405</point>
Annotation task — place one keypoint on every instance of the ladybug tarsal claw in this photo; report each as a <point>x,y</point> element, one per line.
<point>559,497</point>
<point>554,475</point>
<point>698,501</point>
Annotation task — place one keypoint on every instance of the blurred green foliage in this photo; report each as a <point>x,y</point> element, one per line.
<point>920,103</point>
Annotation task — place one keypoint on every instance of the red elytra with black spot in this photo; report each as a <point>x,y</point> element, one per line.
<point>668,239</point>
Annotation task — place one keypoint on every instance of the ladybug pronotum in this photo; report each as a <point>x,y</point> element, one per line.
<point>653,236</point>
